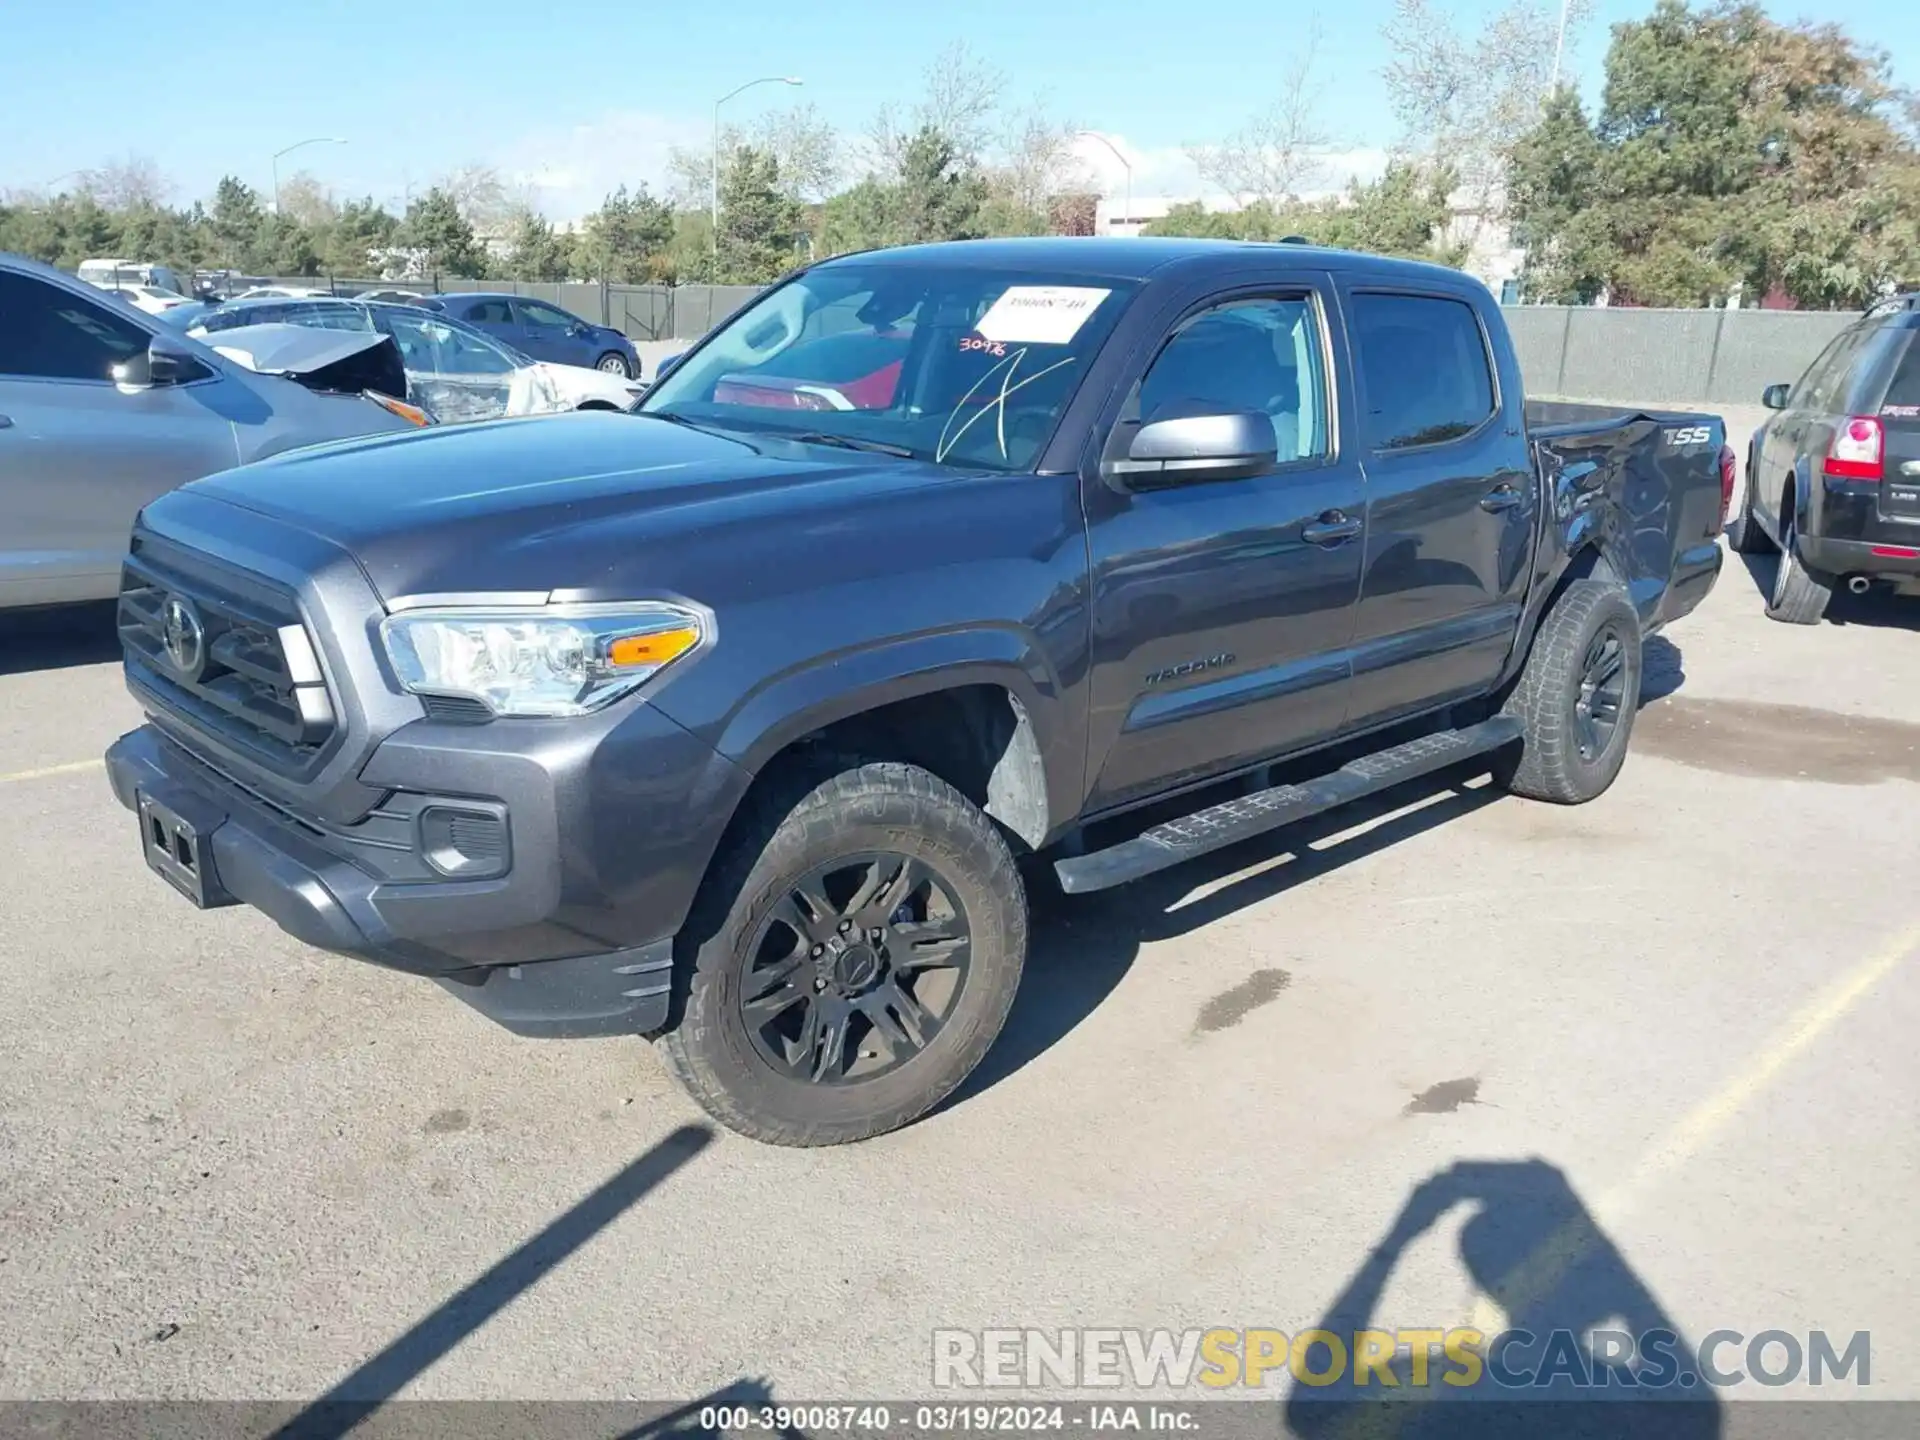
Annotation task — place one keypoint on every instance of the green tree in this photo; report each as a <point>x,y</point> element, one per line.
<point>435,227</point>
<point>235,223</point>
<point>628,237</point>
<point>758,223</point>
<point>1729,150</point>
<point>941,191</point>
<point>359,228</point>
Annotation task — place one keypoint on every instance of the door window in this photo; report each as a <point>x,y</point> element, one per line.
<point>1257,355</point>
<point>534,313</point>
<point>490,312</point>
<point>1903,393</point>
<point>432,347</point>
<point>1423,360</point>
<point>50,334</point>
<point>1826,383</point>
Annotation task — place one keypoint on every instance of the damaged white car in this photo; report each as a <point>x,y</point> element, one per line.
<point>454,372</point>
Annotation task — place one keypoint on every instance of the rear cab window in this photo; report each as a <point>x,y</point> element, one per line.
<point>1424,368</point>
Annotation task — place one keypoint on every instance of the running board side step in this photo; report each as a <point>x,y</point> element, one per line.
<point>1248,815</point>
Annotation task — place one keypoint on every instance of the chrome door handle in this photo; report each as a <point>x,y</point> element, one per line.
<point>6,422</point>
<point>1333,528</point>
<point>1502,497</point>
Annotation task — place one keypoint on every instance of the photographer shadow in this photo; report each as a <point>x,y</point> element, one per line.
<point>1534,1249</point>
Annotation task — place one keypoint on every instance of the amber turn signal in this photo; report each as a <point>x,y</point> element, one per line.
<point>631,652</point>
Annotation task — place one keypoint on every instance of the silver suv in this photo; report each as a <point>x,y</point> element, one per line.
<point>102,409</point>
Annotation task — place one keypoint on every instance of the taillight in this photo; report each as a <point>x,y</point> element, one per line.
<point>1858,450</point>
<point>1726,483</point>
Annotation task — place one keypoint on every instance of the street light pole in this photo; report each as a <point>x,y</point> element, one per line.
<point>713,180</point>
<point>1125,165</point>
<point>1559,44</point>
<point>316,140</point>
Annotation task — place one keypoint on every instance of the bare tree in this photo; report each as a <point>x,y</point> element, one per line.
<point>960,96</point>
<point>1037,158</point>
<point>479,195</point>
<point>1466,98</point>
<point>1281,150</point>
<point>126,184</point>
<point>305,201</point>
<point>804,146</point>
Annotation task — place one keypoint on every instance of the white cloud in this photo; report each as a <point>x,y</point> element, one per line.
<point>568,171</point>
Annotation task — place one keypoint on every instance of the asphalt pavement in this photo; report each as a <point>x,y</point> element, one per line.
<point>1678,1020</point>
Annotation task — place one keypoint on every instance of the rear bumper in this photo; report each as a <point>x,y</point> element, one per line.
<point>565,943</point>
<point>1879,559</point>
<point>1694,572</point>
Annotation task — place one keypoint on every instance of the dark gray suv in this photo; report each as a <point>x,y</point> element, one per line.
<point>1833,480</point>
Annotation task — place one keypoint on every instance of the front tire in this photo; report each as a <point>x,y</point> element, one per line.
<point>614,363</point>
<point>1576,697</point>
<point>851,959</point>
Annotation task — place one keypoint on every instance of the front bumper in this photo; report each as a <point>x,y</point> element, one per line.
<point>609,836</point>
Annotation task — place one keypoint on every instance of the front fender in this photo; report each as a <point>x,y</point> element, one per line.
<point>833,687</point>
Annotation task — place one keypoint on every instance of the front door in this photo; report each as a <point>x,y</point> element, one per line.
<point>1452,503</point>
<point>550,334</point>
<point>80,454</point>
<point>1222,610</point>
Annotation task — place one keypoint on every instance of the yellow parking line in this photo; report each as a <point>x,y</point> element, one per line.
<point>72,768</point>
<point>1548,1265</point>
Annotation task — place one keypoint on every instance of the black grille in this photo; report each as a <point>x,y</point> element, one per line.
<point>225,651</point>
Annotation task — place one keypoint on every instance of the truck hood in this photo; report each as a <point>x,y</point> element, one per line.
<point>561,502</point>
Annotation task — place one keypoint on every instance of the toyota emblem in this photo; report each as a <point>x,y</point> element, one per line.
<point>184,636</point>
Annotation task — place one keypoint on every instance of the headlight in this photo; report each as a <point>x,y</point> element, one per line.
<point>545,660</point>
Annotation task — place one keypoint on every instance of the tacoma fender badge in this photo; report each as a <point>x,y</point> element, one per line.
<point>1191,667</point>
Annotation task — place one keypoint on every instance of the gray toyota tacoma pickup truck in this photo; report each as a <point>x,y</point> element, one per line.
<point>742,723</point>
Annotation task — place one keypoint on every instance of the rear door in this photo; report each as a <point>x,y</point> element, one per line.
<point>1801,432</point>
<point>1451,502</point>
<point>1221,610</point>
<point>81,454</point>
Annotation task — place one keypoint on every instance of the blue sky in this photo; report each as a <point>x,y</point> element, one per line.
<point>577,98</point>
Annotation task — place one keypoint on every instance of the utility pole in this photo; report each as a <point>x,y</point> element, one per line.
<point>713,187</point>
<point>1125,165</point>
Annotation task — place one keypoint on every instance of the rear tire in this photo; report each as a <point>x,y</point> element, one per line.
<point>1576,697</point>
<point>827,998</point>
<point>1800,594</point>
<point>1743,535</point>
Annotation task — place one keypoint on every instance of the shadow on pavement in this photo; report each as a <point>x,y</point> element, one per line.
<point>57,639</point>
<point>1082,947</point>
<point>1879,607</point>
<point>1576,1316</point>
<point>382,1376</point>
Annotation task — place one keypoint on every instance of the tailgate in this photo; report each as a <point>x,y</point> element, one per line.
<point>1900,491</point>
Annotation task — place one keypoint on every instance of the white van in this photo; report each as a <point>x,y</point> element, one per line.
<point>111,274</point>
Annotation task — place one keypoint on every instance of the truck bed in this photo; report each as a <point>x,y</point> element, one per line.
<point>1663,469</point>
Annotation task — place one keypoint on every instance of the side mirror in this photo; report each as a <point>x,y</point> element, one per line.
<point>660,370</point>
<point>167,362</point>
<point>579,329</point>
<point>1774,397</point>
<point>1192,449</point>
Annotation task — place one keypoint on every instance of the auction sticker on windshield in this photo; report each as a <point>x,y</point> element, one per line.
<point>1039,314</point>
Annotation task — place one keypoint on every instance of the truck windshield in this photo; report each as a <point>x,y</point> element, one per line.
<point>962,366</point>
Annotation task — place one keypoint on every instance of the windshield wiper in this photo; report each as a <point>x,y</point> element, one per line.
<point>850,442</point>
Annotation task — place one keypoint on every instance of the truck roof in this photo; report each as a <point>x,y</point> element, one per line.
<point>1118,257</point>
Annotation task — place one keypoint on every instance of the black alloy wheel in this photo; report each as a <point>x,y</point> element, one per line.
<point>854,972</point>
<point>1596,710</point>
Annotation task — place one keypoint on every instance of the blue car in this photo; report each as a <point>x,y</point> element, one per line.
<point>546,332</point>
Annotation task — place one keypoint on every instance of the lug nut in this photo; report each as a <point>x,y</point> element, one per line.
<point>845,926</point>
<point>818,951</point>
